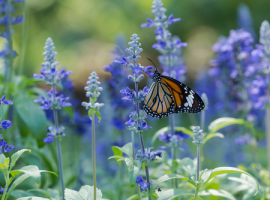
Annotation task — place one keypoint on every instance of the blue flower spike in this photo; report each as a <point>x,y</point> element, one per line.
<point>93,91</point>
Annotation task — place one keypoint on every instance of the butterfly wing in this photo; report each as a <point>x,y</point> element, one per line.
<point>159,102</point>
<point>185,99</point>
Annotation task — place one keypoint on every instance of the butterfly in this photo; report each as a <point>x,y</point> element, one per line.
<point>167,96</point>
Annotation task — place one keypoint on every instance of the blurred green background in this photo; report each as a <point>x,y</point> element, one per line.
<point>84,30</point>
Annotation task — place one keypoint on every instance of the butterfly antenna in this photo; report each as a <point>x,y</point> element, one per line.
<point>152,62</point>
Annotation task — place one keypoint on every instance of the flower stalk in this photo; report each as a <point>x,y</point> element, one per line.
<point>52,77</point>
<point>93,92</point>
<point>137,122</point>
<point>198,137</point>
<point>94,156</point>
<point>59,153</point>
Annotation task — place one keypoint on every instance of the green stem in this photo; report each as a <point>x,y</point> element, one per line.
<point>133,156</point>
<point>59,153</point>
<point>94,156</point>
<point>198,163</point>
<point>10,67</point>
<point>202,127</point>
<point>198,173</point>
<point>6,187</point>
<point>173,151</point>
<point>24,38</point>
<point>196,193</point>
<point>139,193</point>
<point>146,167</point>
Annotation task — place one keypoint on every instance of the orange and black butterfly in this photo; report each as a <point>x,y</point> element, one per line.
<point>167,96</point>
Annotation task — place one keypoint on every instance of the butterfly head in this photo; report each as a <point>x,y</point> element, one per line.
<point>156,76</point>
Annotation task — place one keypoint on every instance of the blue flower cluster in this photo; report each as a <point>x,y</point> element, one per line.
<point>173,140</point>
<point>4,147</point>
<point>52,76</point>
<point>131,95</point>
<point>53,101</point>
<point>169,46</point>
<point>49,73</point>
<point>147,155</point>
<point>135,123</point>
<point>134,55</point>
<point>144,185</point>
<point>52,133</point>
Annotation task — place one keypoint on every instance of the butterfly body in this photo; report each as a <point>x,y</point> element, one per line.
<point>167,96</point>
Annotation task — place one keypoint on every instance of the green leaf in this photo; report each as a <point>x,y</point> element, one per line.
<point>211,135</point>
<point>16,156</point>
<point>117,158</point>
<point>184,130</point>
<point>31,170</point>
<point>219,193</point>
<point>85,193</point>
<point>166,129</point>
<point>72,195</point>
<point>226,170</point>
<point>2,166</point>
<point>32,116</point>
<point>17,182</point>
<point>186,165</point>
<point>172,193</point>
<point>50,193</point>
<point>133,169</point>
<point>117,153</point>
<point>127,149</point>
<point>227,121</point>
<point>2,158</point>
<point>166,178</point>
<point>6,163</point>
<point>133,197</point>
<point>91,112</point>
<point>98,114</point>
<point>20,193</point>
